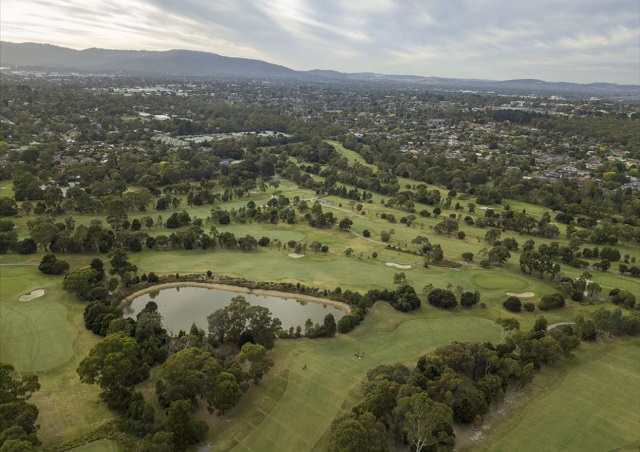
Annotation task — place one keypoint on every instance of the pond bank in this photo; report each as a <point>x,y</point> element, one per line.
<point>229,288</point>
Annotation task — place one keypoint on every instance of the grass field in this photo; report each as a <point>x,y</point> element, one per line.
<point>103,445</point>
<point>293,407</point>
<point>589,404</point>
<point>47,336</point>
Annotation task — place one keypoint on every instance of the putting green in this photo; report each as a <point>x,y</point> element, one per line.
<point>46,335</point>
<point>496,280</point>
<point>33,334</point>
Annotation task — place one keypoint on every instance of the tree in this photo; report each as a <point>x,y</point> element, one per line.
<point>469,299</point>
<point>247,243</point>
<point>262,327</point>
<point>499,255</point>
<point>187,375</point>
<point>218,323</point>
<point>513,304</point>
<point>508,325</point>
<point>50,265</point>
<point>448,226</point>
<point>329,325</point>
<point>420,418</point>
<point>44,234</point>
<point>399,279</point>
<point>80,282</point>
<point>120,263</point>
<point>259,362</point>
<point>8,207</point>
<point>113,362</point>
<point>18,426</point>
<point>468,404</point>
<point>185,429</point>
<point>357,432</point>
<point>492,236</point>
<point>623,298</point>
<point>226,392</point>
<point>236,318</point>
<point>26,246</point>
<point>551,301</point>
<point>116,212</point>
<point>442,298</point>
<point>345,224</point>
<point>540,324</point>
<point>467,257</point>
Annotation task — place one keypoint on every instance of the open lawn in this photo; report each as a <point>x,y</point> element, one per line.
<point>47,336</point>
<point>589,403</point>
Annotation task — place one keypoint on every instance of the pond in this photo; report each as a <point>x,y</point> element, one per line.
<point>182,306</point>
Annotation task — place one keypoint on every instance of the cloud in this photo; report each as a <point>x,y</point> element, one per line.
<point>572,40</point>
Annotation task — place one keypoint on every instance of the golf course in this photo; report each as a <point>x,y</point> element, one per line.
<point>589,402</point>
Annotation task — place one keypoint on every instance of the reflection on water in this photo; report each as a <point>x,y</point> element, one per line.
<point>182,306</point>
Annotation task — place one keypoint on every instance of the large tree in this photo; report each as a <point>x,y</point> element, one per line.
<point>421,419</point>
<point>256,356</point>
<point>17,417</point>
<point>113,362</point>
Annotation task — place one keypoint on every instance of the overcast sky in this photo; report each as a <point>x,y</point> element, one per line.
<point>555,40</point>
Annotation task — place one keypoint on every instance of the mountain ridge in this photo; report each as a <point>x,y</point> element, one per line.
<point>182,62</point>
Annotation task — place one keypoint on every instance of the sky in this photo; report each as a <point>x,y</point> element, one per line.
<point>580,41</point>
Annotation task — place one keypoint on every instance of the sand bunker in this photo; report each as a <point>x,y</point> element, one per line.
<point>393,264</point>
<point>521,295</point>
<point>296,255</point>
<point>30,296</point>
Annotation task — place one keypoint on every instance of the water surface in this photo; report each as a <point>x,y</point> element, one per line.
<point>182,306</point>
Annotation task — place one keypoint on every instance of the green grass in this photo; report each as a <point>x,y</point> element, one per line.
<point>293,407</point>
<point>590,403</point>
<point>103,445</point>
<point>34,333</point>
<point>47,336</point>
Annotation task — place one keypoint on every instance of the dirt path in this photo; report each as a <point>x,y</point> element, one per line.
<point>555,325</point>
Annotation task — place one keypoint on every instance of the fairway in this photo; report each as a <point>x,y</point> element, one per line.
<point>589,404</point>
<point>33,333</point>
<point>103,445</point>
<point>46,335</point>
<point>295,417</point>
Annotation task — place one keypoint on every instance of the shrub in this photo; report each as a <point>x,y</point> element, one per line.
<point>553,301</point>
<point>468,299</point>
<point>623,298</point>
<point>442,298</point>
<point>529,306</point>
<point>347,323</point>
<point>513,304</point>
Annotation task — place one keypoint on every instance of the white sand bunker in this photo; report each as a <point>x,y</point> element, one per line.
<point>393,264</point>
<point>30,296</point>
<point>296,255</point>
<point>521,295</point>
